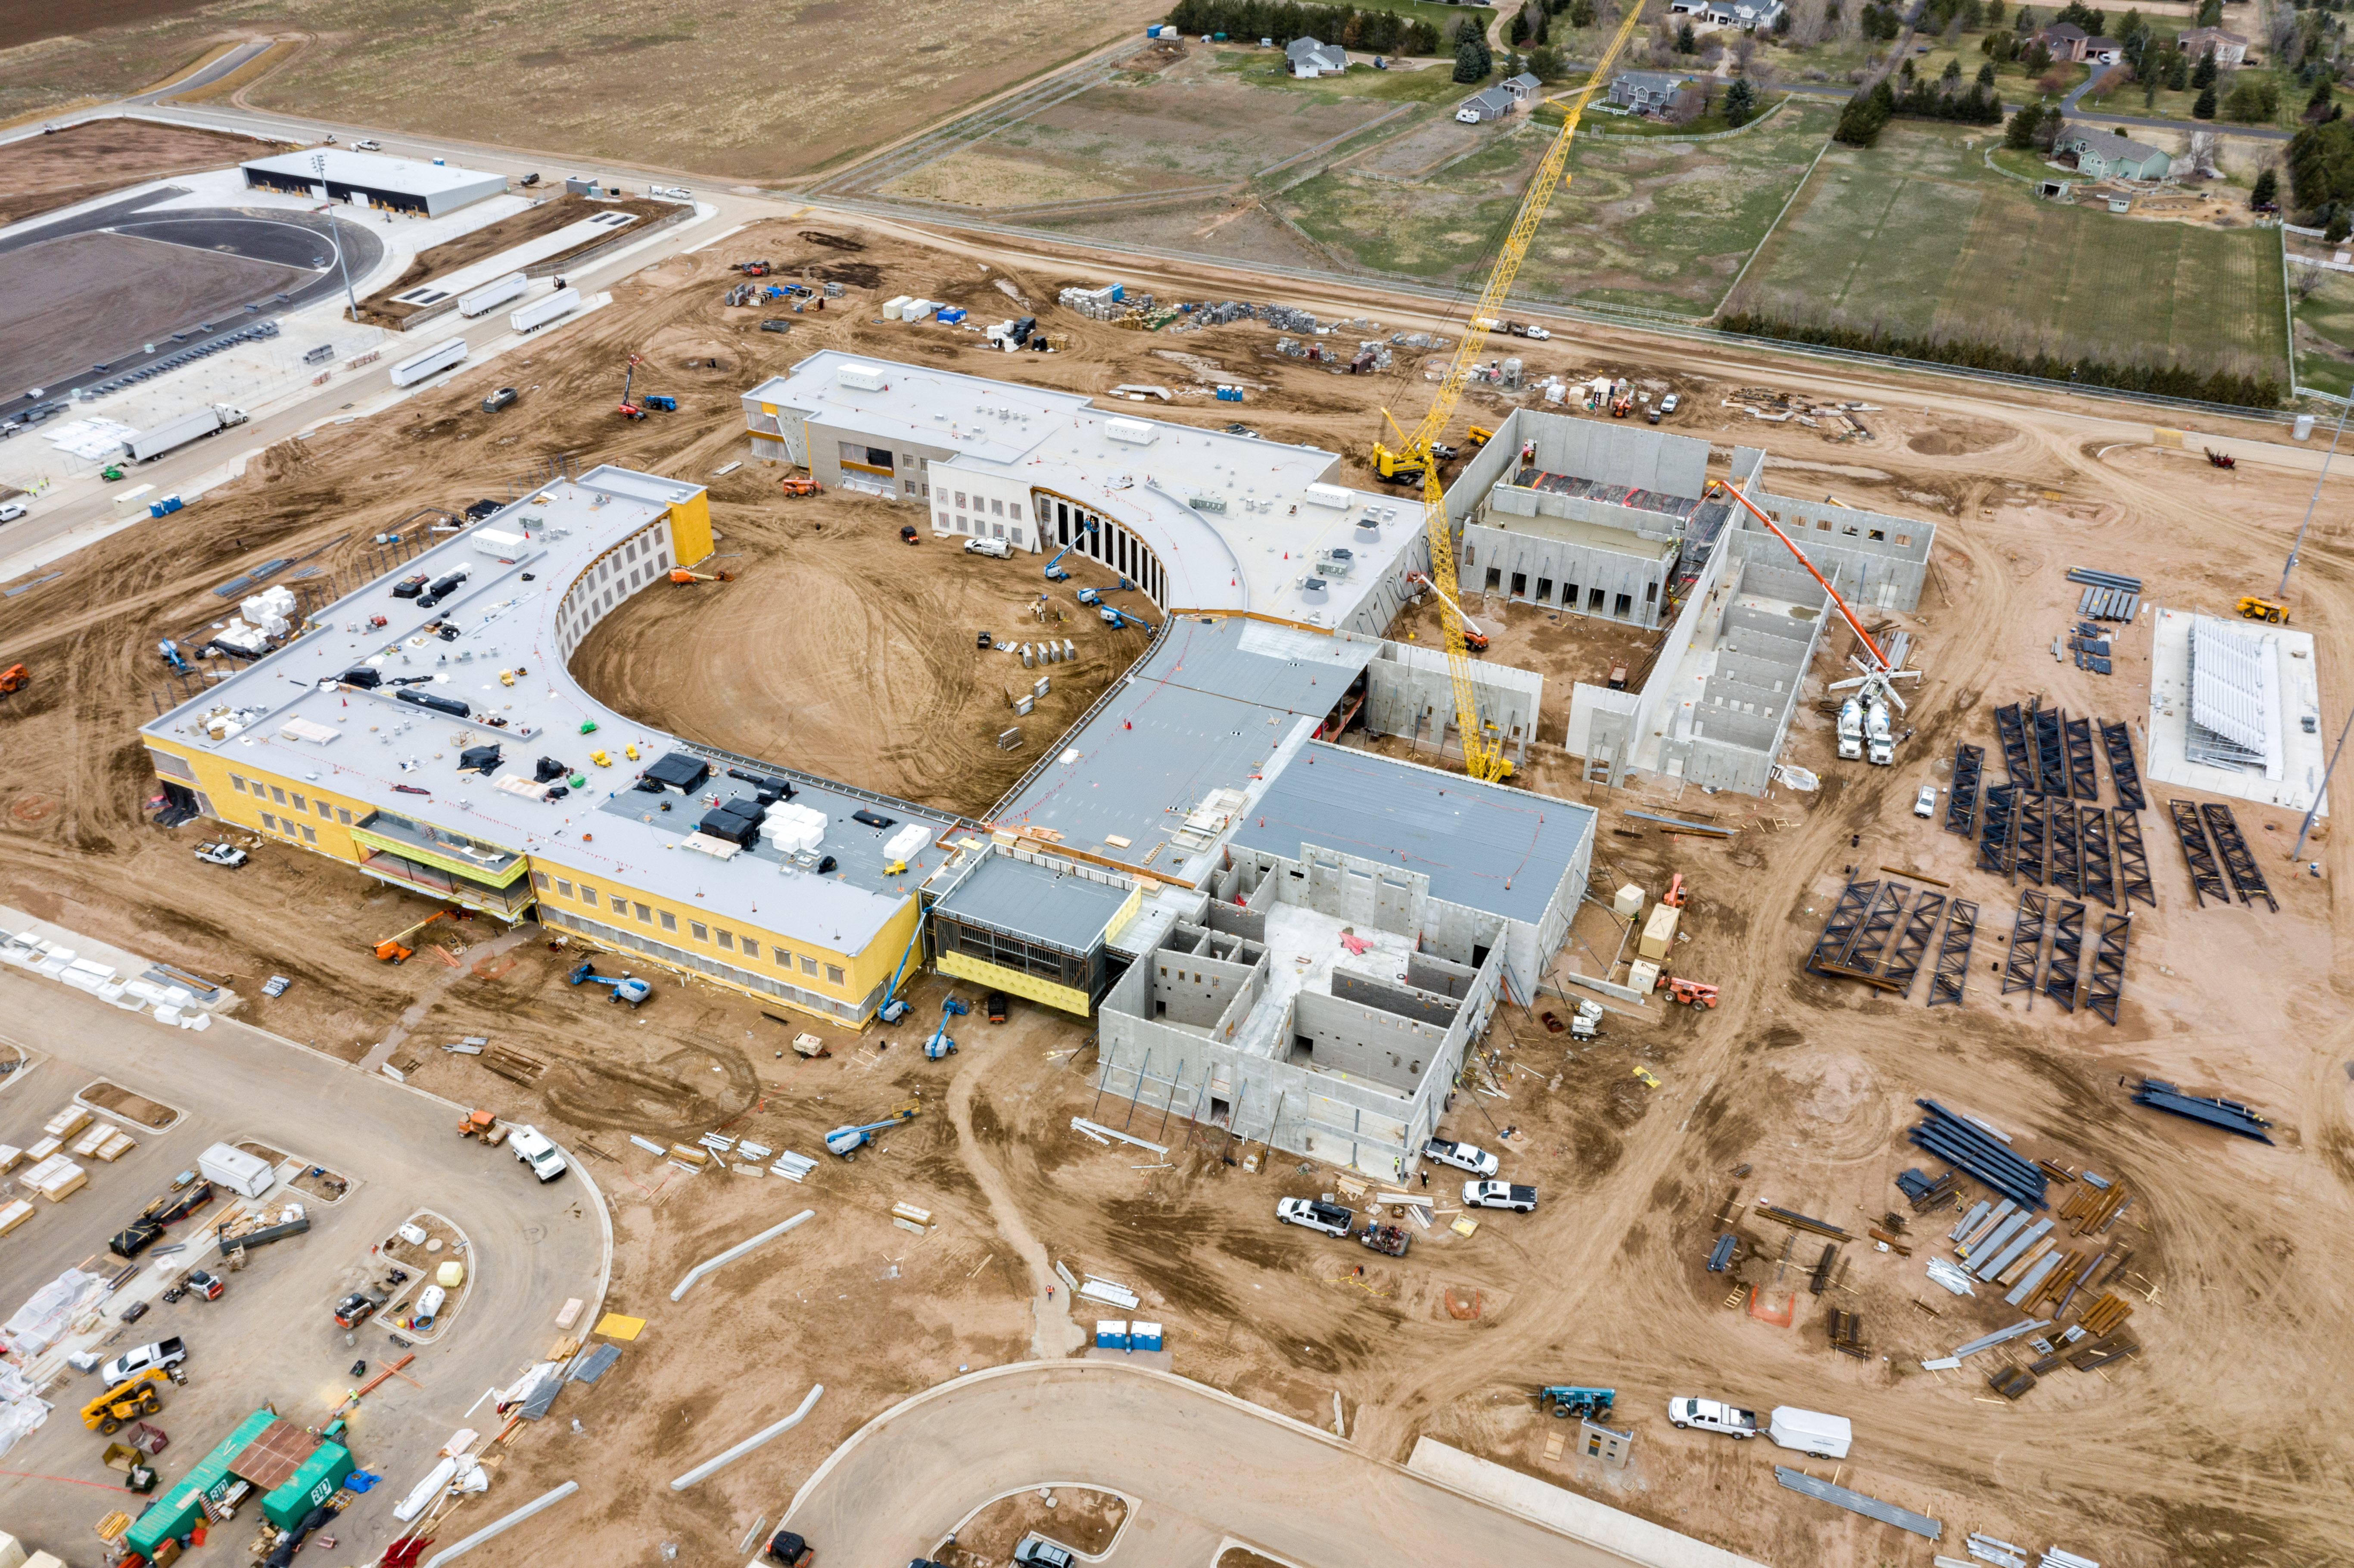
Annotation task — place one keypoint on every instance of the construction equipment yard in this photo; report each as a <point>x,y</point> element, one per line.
<point>2195,1419</point>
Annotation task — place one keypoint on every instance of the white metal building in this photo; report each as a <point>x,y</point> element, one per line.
<point>369,179</point>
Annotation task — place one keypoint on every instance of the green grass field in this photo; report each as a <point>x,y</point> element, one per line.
<point>1646,221</point>
<point>1916,236</point>
<point>2325,337</point>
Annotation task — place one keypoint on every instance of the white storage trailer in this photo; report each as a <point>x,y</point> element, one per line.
<point>540,312</point>
<point>491,296</point>
<point>1810,1432</point>
<point>432,362</point>
<point>209,419</point>
<point>247,1175</point>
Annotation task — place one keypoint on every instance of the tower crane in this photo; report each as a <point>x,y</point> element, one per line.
<point>1484,753</point>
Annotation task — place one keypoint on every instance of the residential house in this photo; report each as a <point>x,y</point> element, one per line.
<point>1494,104</point>
<point>2104,51</point>
<point>1522,87</point>
<point>2106,155</point>
<point>1308,58</point>
<point>2230,49</point>
<point>2066,41</point>
<point>1748,16</point>
<point>1646,91</point>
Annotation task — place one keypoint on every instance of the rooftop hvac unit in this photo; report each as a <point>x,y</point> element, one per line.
<point>862,377</point>
<point>1325,495</point>
<point>1312,590</point>
<point>1136,432</point>
<point>1208,504</point>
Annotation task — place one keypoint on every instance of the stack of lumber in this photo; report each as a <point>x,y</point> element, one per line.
<point>2106,1314</point>
<point>2012,1382</point>
<point>2096,1209</point>
<point>1847,1334</point>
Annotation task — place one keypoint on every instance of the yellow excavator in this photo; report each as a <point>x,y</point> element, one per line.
<point>1418,454</point>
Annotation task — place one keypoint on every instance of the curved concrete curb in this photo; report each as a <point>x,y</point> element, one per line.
<point>738,1250</point>
<point>1110,1547</point>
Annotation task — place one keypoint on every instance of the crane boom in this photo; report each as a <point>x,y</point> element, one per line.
<point>1879,660</point>
<point>1484,758</point>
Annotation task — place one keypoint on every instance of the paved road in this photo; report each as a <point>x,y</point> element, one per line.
<point>1204,1467</point>
<point>270,1337</point>
<point>235,59</point>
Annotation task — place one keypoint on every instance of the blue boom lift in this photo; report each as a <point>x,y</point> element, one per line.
<point>1055,572</point>
<point>847,1141</point>
<point>626,988</point>
<point>939,1044</point>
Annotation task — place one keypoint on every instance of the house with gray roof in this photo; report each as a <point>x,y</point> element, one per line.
<point>2106,155</point>
<point>1309,59</point>
<point>1492,103</point>
<point>1522,87</point>
<point>1647,91</point>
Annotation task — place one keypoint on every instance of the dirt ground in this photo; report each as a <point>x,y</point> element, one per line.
<point>128,1106</point>
<point>2219,1444</point>
<point>1086,1521</point>
<point>491,239</point>
<point>49,314</point>
<point>41,174</point>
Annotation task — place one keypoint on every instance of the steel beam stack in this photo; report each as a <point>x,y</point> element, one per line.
<point>2010,728</point>
<point>1963,1143</point>
<point>2083,778</point>
<point>1994,829</point>
<point>1855,901</point>
<point>2026,941</point>
<point>1954,955</point>
<point>2067,954</point>
<point>2237,859</point>
<point>2206,877</point>
<point>1912,943</point>
<point>2133,856</point>
<point>1962,803</point>
<point>2123,772</point>
<point>2108,596</point>
<point>2067,868</point>
<point>2093,847</point>
<point>2108,977</point>
<point>2229,1115</point>
<point>2027,853</point>
<point>2050,752</point>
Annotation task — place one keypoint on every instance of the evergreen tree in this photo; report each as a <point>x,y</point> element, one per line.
<point>2204,108</point>
<point>1994,13</point>
<point>2177,72</point>
<point>1986,74</point>
<point>2210,14</point>
<point>1866,115</point>
<point>2020,134</point>
<point>2204,76</point>
<point>1686,44</point>
<point>1545,63</point>
<point>1740,102</point>
<point>2266,188</point>
<point>2320,98</point>
<point>1470,66</point>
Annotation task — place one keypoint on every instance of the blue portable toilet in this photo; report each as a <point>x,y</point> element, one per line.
<point>1144,1336</point>
<point>1112,1335</point>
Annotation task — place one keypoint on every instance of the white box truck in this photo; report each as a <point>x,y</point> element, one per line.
<point>211,418</point>
<point>555,307</point>
<point>432,362</point>
<point>1810,1432</point>
<point>491,296</point>
<point>247,1175</point>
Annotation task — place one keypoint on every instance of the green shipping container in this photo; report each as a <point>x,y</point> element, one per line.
<point>177,1511</point>
<point>321,1477</point>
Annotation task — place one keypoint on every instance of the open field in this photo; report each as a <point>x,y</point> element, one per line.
<point>1916,236</point>
<point>41,174</point>
<point>49,315</point>
<point>2218,1445</point>
<point>2325,337</point>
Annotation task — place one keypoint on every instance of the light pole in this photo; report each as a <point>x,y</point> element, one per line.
<point>2315,810</point>
<point>319,167</point>
<point>2290,565</point>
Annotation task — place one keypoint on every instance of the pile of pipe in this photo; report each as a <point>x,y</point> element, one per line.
<point>1963,1143</point>
<point>2108,596</point>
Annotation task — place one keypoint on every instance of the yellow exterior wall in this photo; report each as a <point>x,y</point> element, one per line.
<point>690,529</point>
<point>998,977</point>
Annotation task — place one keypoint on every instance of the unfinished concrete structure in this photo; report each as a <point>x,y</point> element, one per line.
<point>1320,998</point>
<point>1610,520</point>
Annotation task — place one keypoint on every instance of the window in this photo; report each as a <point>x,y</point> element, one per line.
<point>1904,540</point>
<point>669,921</point>
<point>563,888</point>
<point>809,965</point>
<point>944,520</point>
<point>700,932</point>
<point>645,915</point>
<point>343,816</point>
<point>834,973</point>
<point>310,835</point>
<point>277,794</point>
<point>539,880</point>
<point>621,905</point>
<point>997,506</point>
<point>300,804</point>
<point>997,530</point>
<point>727,939</point>
<point>1015,511</point>
<point>270,821</point>
<point>784,960</point>
<point>962,527</point>
<point>959,500</point>
<point>587,895</point>
<point>325,811</point>
<point>236,783</point>
<point>752,948</point>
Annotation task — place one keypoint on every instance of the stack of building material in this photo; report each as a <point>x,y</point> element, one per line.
<point>2229,1115</point>
<point>13,1213</point>
<point>10,1157</point>
<point>792,1167</point>
<point>1946,1276</point>
<point>1926,1195</point>
<point>2003,1554</point>
<point>56,1178</point>
<point>1847,1334</point>
<point>1964,1143</point>
<point>1108,1293</point>
<point>2056,1558</point>
<point>2096,1209</point>
<point>2012,1382</point>
<point>2000,1336</point>
<point>65,1123</point>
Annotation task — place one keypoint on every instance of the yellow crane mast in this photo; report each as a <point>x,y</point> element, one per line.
<point>1484,753</point>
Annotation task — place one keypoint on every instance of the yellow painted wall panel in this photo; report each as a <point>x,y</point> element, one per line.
<point>965,966</point>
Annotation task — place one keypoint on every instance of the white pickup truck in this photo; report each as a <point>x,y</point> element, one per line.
<point>1711,1415</point>
<point>131,1364</point>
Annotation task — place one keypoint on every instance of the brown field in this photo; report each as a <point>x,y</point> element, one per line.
<point>48,310</point>
<point>2219,1443</point>
<point>41,174</point>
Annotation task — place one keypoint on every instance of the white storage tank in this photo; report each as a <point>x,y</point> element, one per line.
<point>540,312</point>
<point>491,296</point>
<point>1136,432</point>
<point>862,377</point>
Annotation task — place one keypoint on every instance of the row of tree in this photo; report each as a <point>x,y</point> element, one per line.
<point>1869,111</point>
<point>2227,386</point>
<point>1379,32</point>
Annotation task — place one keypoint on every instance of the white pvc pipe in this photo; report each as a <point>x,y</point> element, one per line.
<point>545,1500</point>
<point>746,1446</point>
<point>738,1250</point>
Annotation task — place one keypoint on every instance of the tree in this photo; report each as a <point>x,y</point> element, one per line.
<point>1518,33</point>
<point>2337,230</point>
<point>2038,60</point>
<point>2020,134</point>
<point>2204,107</point>
<point>2026,23</point>
<point>2254,98</point>
<point>2318,103</point>
<point>1994,13</point>
<point>2210,14</point>
<point>2177,72</point>
<point>2265,190</point>
<point>1686,44</point>
<point>1985,75</point>
<point>1470,65</point>
<point>1951,74</point>
<point>2306,279</point>
<point>1545,63</point>
<point>1740,102</point>
<point>2204,76</point>
<point>1866,115</point>
<point>1581,13</point>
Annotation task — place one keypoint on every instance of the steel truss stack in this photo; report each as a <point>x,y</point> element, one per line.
<point>2133,858</point>
<point>1871,936</point>
<point>1954,954</point>
<point>2206,878</point>
<point>2067,868</point>
<point>2067,954</point>
<point>2026,941</point>
<point>1962,804</point>
<point>2011,727</point>
<point>1912,943</point>
<point>1855,901</point>
<point>2108,977</point>
<point>2099,874</point>
<point>2123,771</point>
<point>2051,752</point>
<point>2027,856</point>
<point>1994,829</point>
<point>2083,778</point>
<point>2237,860</point>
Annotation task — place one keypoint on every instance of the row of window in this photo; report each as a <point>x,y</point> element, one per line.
<point>259,790</point>
<point>289,827</point>
<point>682,959</point>
<point>997,507</point>
<point>726,940</point>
